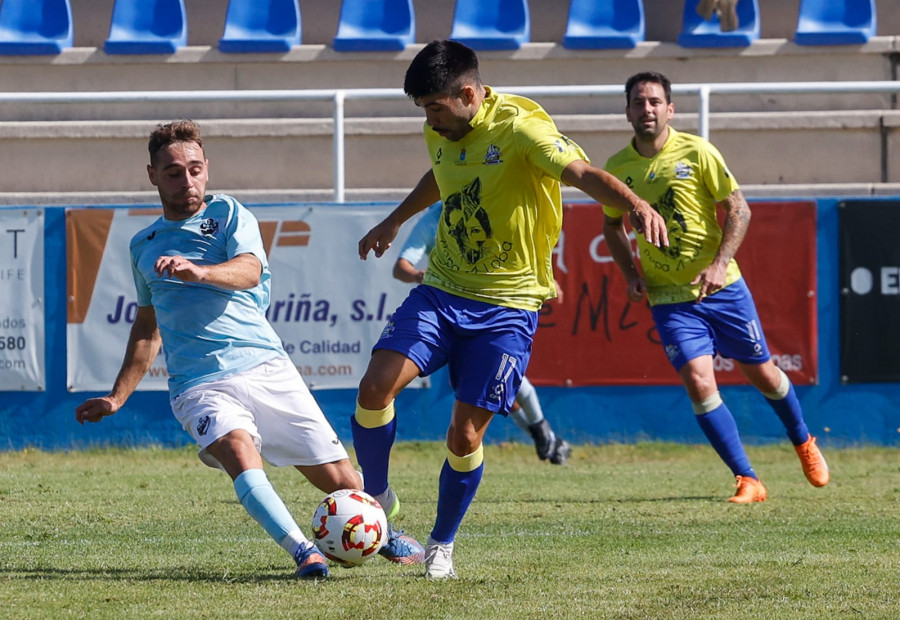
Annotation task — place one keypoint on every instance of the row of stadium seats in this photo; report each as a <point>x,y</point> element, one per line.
<point>160,26</point>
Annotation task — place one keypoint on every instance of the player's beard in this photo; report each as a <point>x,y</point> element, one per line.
<point>184,207</point>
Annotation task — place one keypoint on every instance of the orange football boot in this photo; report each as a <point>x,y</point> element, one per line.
<point>748,490</point>
<point>814,466</point>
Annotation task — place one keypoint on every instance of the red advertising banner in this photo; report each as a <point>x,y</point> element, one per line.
<point>596,336</point>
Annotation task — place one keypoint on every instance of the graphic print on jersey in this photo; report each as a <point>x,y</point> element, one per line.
<point>468,222</point>
<point>675,222</point>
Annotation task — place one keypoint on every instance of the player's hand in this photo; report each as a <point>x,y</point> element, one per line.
<point>95,409</point>
<point>648,222</point>
<point>378,240</point>
<point>710,280</point>
<point>179,267</point>
<point>637,288</point>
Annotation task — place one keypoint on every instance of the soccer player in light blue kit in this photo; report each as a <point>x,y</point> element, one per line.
<point>203,282</point>
<point>526,412</point>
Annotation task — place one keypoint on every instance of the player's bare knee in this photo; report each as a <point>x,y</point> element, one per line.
<point>373,394</point>
<point>461,443</point>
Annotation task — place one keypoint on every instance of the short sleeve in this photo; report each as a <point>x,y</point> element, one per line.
<point>545,147</point>
<point>243,235</point>
<point>716,175</point>
<point>140,285</point>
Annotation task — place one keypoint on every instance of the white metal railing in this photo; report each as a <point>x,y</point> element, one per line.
<point>340,96</point>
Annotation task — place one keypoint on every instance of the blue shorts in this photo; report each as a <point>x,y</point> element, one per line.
<point>725,322</point>
<point>486,347</point>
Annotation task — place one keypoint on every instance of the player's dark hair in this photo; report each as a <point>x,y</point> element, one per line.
<point>441,67</point>
<point>648,76</point>
<point>170,133</point>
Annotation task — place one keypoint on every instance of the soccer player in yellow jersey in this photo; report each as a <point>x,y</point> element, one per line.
<point>496,164</point>
<point>700,303</point>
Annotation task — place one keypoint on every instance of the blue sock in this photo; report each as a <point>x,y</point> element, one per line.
<point>456,490</point>
<point>373,450</point>
<point>790,414</point>
<point>719,427</point>
<point>261,502</point>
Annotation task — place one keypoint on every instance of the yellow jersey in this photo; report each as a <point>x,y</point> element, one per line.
<point>502,207</point>
<point>683,182</point>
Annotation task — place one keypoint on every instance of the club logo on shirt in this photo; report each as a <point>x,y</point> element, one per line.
<point>440,153</point>
<point>492,157</point>
<point>209,227</point>
<point>682,170</point>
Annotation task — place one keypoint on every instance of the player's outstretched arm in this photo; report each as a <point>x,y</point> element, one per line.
<point>608,190</point>
<point>405,271</point>
<point>143,346</point>
<point>379,239</point>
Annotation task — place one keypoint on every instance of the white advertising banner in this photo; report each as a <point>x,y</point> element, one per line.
<point>22,337</point>
<point>327,305</point>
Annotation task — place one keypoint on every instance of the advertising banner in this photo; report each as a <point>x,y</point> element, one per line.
<point>327,305</point>
<point>22,336</point>
<point>870,291</point>
<point>596,336</point>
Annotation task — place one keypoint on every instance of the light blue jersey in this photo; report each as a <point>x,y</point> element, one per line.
<point>421,237</point>
<point>207,332</point>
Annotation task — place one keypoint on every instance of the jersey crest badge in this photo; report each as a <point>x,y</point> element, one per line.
<point>492,157</point>
<point>209,227</point>
<point>682,170</point>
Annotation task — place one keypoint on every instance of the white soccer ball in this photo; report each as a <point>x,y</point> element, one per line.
<point>349,527</point>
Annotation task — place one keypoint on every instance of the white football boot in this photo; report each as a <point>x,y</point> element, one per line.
<point>439,560</point>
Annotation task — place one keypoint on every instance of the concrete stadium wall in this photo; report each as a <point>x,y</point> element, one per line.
<point>285,147</point>
<point>839,414</point>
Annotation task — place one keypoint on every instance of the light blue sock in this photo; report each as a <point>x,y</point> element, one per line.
<point>529,411</point>
<point>261,502</point>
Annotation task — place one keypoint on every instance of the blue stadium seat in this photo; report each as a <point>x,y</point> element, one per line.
<point>696,32</point>
<point>604,24</point>
<point>375,25</point>
<point>836,22</point>
<point>35,26</point>
<point>147,27</point>
<point>261,26</point>
<point>491,24</point>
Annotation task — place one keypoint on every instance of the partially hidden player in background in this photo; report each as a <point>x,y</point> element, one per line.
<point>496,164</point>
<point>203,281</point>
<point>699,301</point>
<point>526,411</point>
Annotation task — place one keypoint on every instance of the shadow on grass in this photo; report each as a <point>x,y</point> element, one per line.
<point>170,574</point>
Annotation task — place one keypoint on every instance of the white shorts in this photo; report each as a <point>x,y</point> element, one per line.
<point>273,404</point>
